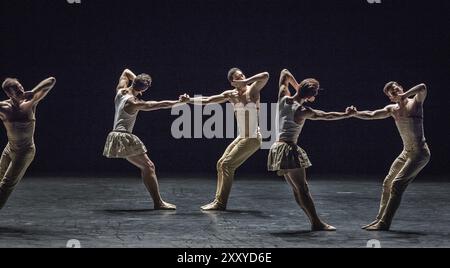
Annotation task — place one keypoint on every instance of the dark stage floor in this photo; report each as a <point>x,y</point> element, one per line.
<point>47,212</point>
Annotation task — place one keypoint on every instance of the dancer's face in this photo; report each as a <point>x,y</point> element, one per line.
<point>238,76</point>
<point>394,91</point>
<point>15,91</point>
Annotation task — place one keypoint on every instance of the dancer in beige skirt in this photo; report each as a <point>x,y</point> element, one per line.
<point>285,156</point>
<point>18,116</point>
<point>408,115</point>
<point>121,143</point>
<point>245,98</point>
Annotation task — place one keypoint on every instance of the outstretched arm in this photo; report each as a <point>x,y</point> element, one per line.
<point>327,116</point>
<point>375,115</point>
<point>137,105</point>
<point>125,79</point>
<point>257,82</point>
<point>419,92</point>
<point>286,79</point>
<point>41,90</point>
<point>217,99</point>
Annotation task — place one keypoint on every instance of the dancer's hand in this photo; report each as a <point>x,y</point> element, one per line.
<point>239,83</point>
<point>399,98</point>
<point>351,110</point>
<point>28,95</point>
<point>184,98</point>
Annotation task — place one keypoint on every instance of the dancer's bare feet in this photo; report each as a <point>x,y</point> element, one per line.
<point>370,224</point>
<point>165,206</point>
<point>214,206</point>
<point>380,226</point>
<point>323,227</point>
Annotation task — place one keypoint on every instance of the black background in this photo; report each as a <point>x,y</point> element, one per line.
<point>351,46</point>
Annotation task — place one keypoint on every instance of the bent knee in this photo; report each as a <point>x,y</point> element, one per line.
<point>149,167</point>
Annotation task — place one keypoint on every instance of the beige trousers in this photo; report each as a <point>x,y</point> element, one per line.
<point>13,165</point>
<point>235,155</point>
<point>403,171</point>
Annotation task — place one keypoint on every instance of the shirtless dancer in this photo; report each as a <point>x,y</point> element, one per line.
<point>285,156</point>
<point>18,116</point>
<point>245,98</point>
<point>121,143</point>
<point>408,115</point>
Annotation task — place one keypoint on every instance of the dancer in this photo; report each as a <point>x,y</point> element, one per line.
<point>285,156</point>
<point>18,116</point>
<point>121,143</point>
<point>408,115</point>
<point>245,98</point>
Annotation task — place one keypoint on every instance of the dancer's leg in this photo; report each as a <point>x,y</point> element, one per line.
<point>148,173</point>
<point>13,167</point>
<point>241,151</point>
<point>409,172</point>
<point>297,178</point>
<point>398,164</point>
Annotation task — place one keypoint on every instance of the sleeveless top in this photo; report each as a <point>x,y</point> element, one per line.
<point>20,134</point>
<point>411,131</point>
<point>288,130</point>
<point>123,121</point>
<point>247,117</point>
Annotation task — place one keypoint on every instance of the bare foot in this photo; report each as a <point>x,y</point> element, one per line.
<point>323,227</point>
<point>380,226</point>
<point>370,224</point>
<point>165,206</point>
<point>214,206</point>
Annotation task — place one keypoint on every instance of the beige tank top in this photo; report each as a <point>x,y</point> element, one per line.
<point>123,121</point>
<point>247,119</point>
<point>411,131</point>
<point>20,134</point>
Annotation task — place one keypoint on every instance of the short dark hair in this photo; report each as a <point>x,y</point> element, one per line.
<point>9,83</point>
<point>141,82</point>
<point>309,88</point>
<point>231,72</point>
<point>389,86</point>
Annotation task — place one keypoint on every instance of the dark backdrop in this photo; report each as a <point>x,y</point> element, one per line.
<point>351,46</point>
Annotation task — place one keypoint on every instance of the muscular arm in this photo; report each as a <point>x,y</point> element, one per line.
<point>286,79</point>
<point>419,92</point>
<point>312,114</point>
<point>41,90</point>
<point>133,106</point>
<point>125,79</point>
<point>217,99</point>
<point>375,115</point>
<point>257,82</point>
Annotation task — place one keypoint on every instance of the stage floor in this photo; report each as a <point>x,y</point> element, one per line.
<point>47,212</point>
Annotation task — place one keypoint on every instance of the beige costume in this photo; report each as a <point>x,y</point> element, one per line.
<point>248,142</point>
<point>120,142</point>
<point>16,157</point>
<point>412,160</point>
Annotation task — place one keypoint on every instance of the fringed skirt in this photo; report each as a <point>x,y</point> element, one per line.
<point>285,156</point>
<point>123,145</point>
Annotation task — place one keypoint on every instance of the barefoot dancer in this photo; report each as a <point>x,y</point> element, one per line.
<point>246,101</point>
<point>285,156</point>
<point>18,116</point>
<point>121,143</point>
<point>408,116</point>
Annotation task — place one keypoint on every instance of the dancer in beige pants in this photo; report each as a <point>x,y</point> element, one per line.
<point>245,98</point>
<point>18,116</point>
<point>408,116</point>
